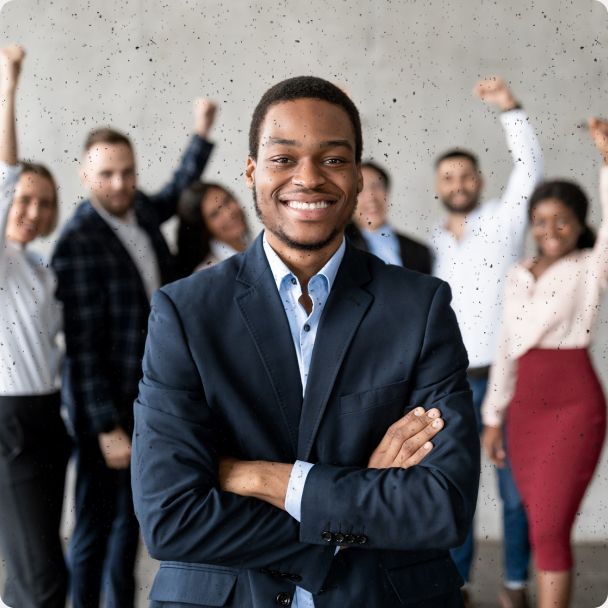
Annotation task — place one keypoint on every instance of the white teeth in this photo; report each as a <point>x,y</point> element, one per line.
<point>307,206</point>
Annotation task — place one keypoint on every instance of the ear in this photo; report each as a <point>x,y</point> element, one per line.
<point>84,177</point>
<point>250,173</point>
<point>359,179</point>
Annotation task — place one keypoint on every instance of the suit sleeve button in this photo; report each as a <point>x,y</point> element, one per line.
<point>361,539</point>
<point>349,539</point>
<point>327,536</point>
<point>283,599</point>
<point>339,538</point>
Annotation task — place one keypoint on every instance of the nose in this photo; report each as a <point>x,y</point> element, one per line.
<point>308,175</point>
<point>118,182</point>
<point>33,210</point>
<point>551,231</point>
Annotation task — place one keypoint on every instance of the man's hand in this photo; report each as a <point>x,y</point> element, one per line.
<point>11,58</point>
<point>599,132</point>
<point>204,116</point>
<point>492,442</point>
<point>116,448</point>
<point>407,441</point>
<point>496,92</point>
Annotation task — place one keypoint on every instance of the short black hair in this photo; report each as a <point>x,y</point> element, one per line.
<point>304,87</point>
<point>457,153</point>
<point>381,171</point>
<point>574,197</point>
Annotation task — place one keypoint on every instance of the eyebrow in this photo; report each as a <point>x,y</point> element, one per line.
<point>331,143</point>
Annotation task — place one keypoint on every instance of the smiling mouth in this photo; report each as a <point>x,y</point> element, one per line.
<point>304,206</point>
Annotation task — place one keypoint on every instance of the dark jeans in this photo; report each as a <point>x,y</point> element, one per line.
<point>515,525</point>
<point>34,451</point>
<point>103,547</point>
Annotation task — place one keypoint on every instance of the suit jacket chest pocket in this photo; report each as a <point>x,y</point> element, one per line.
<point>365,417</point>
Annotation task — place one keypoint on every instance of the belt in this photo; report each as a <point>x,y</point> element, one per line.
<point>478,372</point>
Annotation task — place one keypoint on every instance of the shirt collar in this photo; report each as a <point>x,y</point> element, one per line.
<point>220,250</point>
<point>115,222</point>
<point>384,230</point>
<point>280,270</point>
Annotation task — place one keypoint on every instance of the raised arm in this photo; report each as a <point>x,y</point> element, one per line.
<point>599,133</point>
<point>192,163</point>
<point>524,148</point>
<point>11,58</point>
<point>177,443</point>
<point>10,67</point>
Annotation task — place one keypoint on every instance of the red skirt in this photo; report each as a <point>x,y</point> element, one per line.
<point>556,424</point>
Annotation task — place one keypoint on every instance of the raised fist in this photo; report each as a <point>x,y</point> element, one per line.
<point>10,65</point>
<point>496,92</point>
<point>599,132</point>
<point>204,116</point>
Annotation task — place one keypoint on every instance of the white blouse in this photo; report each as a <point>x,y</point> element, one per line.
<point>30,316</point>
<point>555,311</point>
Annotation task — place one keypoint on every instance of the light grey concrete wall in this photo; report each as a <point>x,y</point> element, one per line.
<point>410,67</point>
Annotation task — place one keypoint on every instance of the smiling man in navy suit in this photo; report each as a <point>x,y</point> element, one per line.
<point>282,452</point>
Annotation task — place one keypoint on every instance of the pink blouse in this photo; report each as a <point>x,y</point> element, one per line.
<point>557,310</point>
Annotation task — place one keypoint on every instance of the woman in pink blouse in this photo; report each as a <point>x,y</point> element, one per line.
<point>543,384</point>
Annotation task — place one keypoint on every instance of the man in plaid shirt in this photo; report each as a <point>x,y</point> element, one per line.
<point>110,258</point>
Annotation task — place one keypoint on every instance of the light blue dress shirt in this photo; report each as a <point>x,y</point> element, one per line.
<point>384,244</point>
<point>303,332</point>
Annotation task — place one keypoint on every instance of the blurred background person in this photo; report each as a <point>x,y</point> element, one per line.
<point>212,227</point>
<point>109,260</point>
<point>371,231</point>
<point>34,444</point>
<point>543,379</point>
<point>473,250</point>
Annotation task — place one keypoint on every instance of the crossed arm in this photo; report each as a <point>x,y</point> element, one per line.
<point>406,443</point>
<point>180,482</point>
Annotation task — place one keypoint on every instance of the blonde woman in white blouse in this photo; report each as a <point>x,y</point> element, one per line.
<point>34,446</point>
<point>543,385</point>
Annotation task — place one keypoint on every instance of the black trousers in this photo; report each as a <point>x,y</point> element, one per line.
<point>34,451</point>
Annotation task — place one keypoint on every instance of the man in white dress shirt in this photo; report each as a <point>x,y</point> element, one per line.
<point>473,248</point>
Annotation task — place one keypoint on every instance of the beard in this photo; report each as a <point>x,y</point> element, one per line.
<point>287,240</point>
<point>463,209</point>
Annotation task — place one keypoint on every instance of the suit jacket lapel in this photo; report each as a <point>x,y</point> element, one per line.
<point>263,314</point>
<point>112,241</point>
<point>346,306</point>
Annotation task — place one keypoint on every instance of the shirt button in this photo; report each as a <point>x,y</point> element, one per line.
<point>306,327</point>
<point>283,599</point>
<point>293,280</point>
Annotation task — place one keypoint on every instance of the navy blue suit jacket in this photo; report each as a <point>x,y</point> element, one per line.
<point>221,378</point>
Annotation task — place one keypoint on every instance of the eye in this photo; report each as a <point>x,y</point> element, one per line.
<point>334,161</point>
<point>280,160</point>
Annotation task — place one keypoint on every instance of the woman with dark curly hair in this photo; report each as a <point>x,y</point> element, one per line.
<point>543,384</point>
<point>212,227</point>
